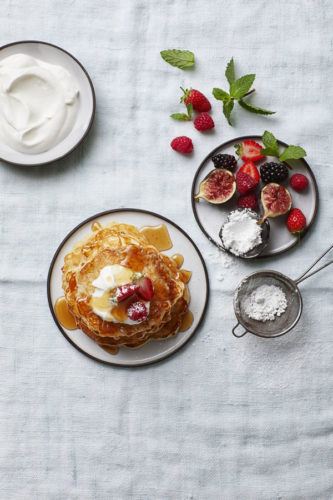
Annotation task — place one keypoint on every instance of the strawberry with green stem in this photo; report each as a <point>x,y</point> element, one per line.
<point>296,222</point>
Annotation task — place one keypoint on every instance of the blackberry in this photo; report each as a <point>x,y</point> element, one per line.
<point>224,161</point>
<point>273,172</point>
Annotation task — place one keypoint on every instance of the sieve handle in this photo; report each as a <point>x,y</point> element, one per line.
<point>242,334</point>
<point>305,275</point>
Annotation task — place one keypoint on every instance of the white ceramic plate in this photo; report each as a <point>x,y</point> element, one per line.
<point>211,217</point>
<point>54,55</point>
<point>198,286</point>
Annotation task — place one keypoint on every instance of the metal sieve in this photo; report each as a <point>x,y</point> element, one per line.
<point>281,324</point>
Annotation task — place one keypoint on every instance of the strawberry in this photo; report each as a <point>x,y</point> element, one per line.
<point>249,151</point>
<point>244,182</point>
<point>125,291</point>
<point>145,288</point>
<point>204,122</point>
<point>296,222</point>
<point>196,98</point>
<point>137,311</point>
<point>250,168</point>
<point>298,182</point>
<point>248,201</point>
<point>182,145</point>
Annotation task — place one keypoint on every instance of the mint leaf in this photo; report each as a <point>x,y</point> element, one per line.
<point>227,108</point>
<point>179,58</point>
<point>230,71</point>
<point>254,109</point>
<point>240,87</point>
<point>238,149</point>
<point>184,116</point>
<point>189,108</point>
<point>220,94</point>
<point>180,116</point>
<point>270,143</point>
<point>292,153</point>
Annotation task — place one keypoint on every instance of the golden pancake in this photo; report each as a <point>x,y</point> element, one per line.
<point>120,255</point>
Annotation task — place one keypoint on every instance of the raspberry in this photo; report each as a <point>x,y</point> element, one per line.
<point>244,182</point>
<point>298,182</point>
<point>204,122</point>
<point>248,201</point>
<point>224,161</point>
<point>197,99</point>
<point>273,172</point>
<point>137,311</point>
<point>182,145</point>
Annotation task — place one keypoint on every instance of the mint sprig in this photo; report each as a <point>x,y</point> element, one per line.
<point>241,86</point>
<point>270,143</point>
<point>230,71</point>
<point>254,109</point>
<point>272,149</point>
<point>221,95</point>
<point>184,116</point>
<point>228,106</point>
<point>238,89</point>
<point>292,153</point>
<point>179,58</point>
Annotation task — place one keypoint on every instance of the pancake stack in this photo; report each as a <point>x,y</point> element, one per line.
<point>124,245</point>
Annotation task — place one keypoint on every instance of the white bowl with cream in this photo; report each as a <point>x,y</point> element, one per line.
<point>47,103</point>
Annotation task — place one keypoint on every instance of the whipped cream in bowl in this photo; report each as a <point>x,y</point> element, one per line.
<point>47,103</point>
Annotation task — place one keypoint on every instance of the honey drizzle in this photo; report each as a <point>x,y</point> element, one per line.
<point>178,260</point>
<point>187,321</point>
<point>64,316</point>
<point>96,226</point>
<point>158,236</point>
<point>186,275</point>
<point>110,350</point>
<point>119,312</point>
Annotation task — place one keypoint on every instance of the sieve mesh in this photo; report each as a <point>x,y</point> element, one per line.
<point>281,324</point>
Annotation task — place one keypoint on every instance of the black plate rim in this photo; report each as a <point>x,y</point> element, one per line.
<point>89,219</point>
<point>234,141</point>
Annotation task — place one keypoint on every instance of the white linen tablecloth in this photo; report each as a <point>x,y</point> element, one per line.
<point>223,418</point>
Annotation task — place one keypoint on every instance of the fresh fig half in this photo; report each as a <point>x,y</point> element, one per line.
<point>217,187</point>
<point>276,201</point>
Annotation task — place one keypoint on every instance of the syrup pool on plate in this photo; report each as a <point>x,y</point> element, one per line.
<point>178,259</point>
<point>187,321</point>
<point>158,236</point>
<point>186,275</point>
<point>65,318</point>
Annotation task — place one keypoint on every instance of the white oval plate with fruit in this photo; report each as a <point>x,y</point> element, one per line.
<point>181,245</point>
<point>246,191</point>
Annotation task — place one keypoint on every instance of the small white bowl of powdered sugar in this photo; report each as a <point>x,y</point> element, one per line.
<point>242,236</point>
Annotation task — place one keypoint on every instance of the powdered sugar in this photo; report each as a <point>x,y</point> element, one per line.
<point>241,233</point>
<point>265,303</point>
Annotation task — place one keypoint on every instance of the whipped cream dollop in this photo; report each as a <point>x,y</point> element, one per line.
<point>102,302</point>
<point>39,103</point>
